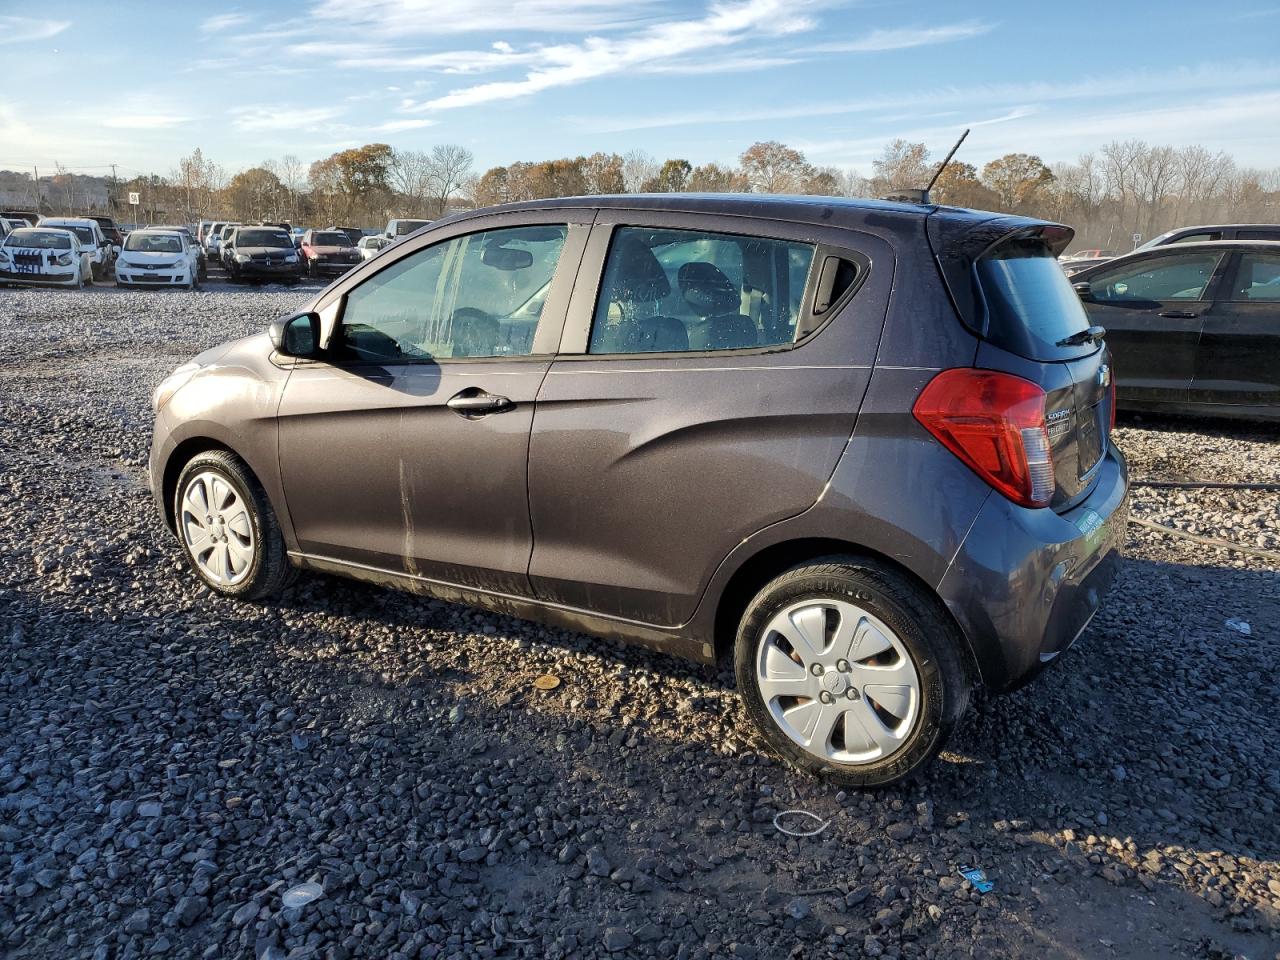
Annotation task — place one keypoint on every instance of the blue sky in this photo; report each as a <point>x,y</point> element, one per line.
<point>141,84</point>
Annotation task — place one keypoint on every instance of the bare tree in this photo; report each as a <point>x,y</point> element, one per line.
<point>638,167</point>
<point>450,166</point>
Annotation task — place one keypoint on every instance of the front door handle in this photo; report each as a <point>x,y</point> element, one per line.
<point>1179,314</point>
<point>474,402</point>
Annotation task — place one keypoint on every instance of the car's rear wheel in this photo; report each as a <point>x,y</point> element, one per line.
<point>851,671</point>
<point>227,528</point>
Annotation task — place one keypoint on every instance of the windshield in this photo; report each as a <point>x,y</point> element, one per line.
<point>1031,305</point>
<point>330,238</point>
<point>153,243</point>
<point>39,239</point>
<point>404,227</point>
<point>263,238</point>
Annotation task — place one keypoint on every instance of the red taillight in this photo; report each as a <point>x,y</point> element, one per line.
<point>995,423</point>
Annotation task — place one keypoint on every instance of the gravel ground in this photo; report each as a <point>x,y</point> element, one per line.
<point>353,772</point>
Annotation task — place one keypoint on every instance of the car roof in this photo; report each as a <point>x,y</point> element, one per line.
<point>1221,226</point>
<point>68,221</point>
<point>878,215</point>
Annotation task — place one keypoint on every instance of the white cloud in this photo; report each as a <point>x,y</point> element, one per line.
<point>399,126</point>
<point>282,118</point>
<point>395,19</point>
<point>144,121</point>
<point>224,21</point>
<point>905,38</point>
<point>562,65</point>
<point>24,29</point>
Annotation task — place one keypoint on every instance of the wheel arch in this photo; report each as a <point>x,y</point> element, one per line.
<point>179,457</point>
<point>761,567</point>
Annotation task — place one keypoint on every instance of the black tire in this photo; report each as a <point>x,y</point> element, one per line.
<point>270,570</point>
<point>928,634</point>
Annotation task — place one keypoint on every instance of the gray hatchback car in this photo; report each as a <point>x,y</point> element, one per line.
<point>862,448</point>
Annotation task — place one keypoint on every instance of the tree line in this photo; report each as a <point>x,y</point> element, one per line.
<point>1125,188</point>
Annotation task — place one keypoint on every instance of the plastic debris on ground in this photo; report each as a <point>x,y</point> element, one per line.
<point>807,832</point>
<point>978,877</point>
<point>1239,626</point>
<point>302,894</point>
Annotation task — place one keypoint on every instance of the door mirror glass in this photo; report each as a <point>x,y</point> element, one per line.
<point>296,336</point>
<point>1084,288</point>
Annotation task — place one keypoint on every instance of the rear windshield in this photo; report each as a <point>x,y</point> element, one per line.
<point>41,239</point>
<point>404,227</point>
<point>263,238</point>
<point>1030,303</point>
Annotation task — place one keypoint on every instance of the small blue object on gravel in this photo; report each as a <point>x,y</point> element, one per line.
<point>978,877</point>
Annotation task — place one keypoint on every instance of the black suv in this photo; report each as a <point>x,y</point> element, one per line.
<point>261,253</point>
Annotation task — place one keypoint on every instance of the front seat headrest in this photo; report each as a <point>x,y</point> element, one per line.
<point>707,290</point>
<point>635,275</point>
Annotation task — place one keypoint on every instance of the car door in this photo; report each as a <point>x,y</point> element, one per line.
<point>682,415</point>
<point>1152,307</point>
<point>1239,358</point>
<point>406,449</point>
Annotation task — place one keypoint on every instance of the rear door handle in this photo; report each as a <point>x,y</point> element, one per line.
<point>474,402</point>
<point>1179,314</point>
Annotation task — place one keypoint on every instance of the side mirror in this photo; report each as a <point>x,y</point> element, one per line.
<point>1083,288</point>
<point>297,335</point>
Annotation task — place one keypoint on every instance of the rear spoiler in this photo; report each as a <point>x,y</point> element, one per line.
<point>958,243</point>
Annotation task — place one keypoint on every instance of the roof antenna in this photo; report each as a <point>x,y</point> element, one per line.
<point>916,195</point>
<point>943,165</point>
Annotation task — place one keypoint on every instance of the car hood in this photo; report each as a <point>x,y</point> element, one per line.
<point>273,251</point>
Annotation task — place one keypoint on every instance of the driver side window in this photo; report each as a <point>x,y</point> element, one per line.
<point>478,295</point>
<point>1180,277</point>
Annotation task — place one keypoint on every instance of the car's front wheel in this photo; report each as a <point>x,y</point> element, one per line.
<point>851,671</point>
<point>227,528</point>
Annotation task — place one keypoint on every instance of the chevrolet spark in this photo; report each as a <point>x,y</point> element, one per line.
<point>861,448</point>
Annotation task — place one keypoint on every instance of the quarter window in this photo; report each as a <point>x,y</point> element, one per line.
<point>479,295</point>
<point>1181,277</point>
<point>1257,279</point>
<point>684,290</point>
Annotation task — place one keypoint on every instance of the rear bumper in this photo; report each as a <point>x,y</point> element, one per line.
<point>1025,583</point>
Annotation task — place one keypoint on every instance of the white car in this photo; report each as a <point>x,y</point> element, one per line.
<point>91,237</point>
<point>369,246</point>
<point>158,258</point>
<point>213,238</point>
<point>46,257</point>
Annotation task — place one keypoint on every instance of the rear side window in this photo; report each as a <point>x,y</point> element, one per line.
<point>1180,277</point>
<point>1258,234</point>
<point>1257,279</point>
<point>1030,303</point>
<point>684,290</point>
<point>1198,237</point>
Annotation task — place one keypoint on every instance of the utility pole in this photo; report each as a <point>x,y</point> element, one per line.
<point>111,197</point>
<point>36,171</point>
